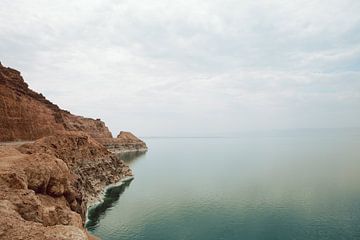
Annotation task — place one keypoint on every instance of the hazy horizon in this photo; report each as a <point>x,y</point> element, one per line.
<point>191,68</point>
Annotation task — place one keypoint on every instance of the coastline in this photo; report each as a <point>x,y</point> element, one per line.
<point>100,197</point>
<point>128,150</point>
<point>54,165</point>
<point>94,171</point>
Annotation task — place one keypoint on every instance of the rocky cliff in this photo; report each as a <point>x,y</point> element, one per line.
<point>27,115</point>
<point>125,141</point>
<point>47,184</point>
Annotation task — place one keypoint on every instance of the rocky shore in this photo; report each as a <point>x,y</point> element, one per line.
<point>53,165</point>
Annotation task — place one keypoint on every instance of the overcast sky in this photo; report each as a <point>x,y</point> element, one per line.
<point>190,67</point>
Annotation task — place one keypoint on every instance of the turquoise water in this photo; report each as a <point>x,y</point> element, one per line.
<point>300,186</point>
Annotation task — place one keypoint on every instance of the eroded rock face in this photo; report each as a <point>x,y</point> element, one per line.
<point>27,115</point>
<point>33,190</point>
<point>125,141</point>
<point>92,164</point>
<point>45,186</point>
<point>14,227</point>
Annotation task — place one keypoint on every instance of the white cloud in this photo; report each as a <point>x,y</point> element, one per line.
<point>191,67</point>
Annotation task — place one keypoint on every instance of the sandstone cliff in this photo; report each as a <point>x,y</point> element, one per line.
<point>27,115</point>
<point>47,184</point>
<point>125,141</point>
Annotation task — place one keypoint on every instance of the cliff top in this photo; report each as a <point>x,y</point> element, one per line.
<point>28,115</point>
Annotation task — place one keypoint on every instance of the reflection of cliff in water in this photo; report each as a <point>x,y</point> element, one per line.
<point>130,157</point>
<point>111,197</point>
<point>112,194</point>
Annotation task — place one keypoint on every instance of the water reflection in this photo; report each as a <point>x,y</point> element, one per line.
<point>130,157</point>
<point>260,188</point>
<point>112,195</point>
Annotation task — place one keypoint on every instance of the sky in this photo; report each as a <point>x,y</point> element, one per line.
<point>191,68</point>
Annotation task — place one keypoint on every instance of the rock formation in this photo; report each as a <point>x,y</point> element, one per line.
<point>47,184</point>
<point>125,141</point>
<point>27,115</point>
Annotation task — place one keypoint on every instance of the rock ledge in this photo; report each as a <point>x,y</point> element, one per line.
<point>53,165</point>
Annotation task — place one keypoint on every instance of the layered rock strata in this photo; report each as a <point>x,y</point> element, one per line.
<point>27,115</point>
<point>125,141</point>
<point>46,186</point>
<point>53,165</point>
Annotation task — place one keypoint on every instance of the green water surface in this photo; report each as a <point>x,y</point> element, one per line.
<point>292,186</point>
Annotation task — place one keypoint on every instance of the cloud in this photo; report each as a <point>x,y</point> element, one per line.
<point>191,67</point>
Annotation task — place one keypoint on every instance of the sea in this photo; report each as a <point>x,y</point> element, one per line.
<point>300,184</point>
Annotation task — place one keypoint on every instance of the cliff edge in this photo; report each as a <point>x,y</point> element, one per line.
<point>47,183</point>
<point>26,115</point>
<point>125,141</point>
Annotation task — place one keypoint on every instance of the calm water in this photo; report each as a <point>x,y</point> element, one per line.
<point>295,186</point>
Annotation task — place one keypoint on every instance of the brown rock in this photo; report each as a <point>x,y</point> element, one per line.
<point>27,115</point>
<point>46,185</point>
<point>51,182</point>
<point>92,165</point>
<point>125,141</point>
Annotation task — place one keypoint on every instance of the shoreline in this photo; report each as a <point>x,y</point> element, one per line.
<point>127,150</point>
<point>54,165</point>
<point>101,196</point>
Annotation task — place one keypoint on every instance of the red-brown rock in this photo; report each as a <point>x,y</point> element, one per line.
<point>50,182</point>
<point>27,115</point>
<point>47,184</point>
<point>125,141</point>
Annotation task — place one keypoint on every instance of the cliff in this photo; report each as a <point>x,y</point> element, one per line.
<point>125,141</point>
<point>47,183</point>
<point>45,186</point>
<point>27,115</point>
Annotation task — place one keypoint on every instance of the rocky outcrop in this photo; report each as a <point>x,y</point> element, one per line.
<point>46,186</point>
<point>92,164</point>
<point>125,141</point>
<point>27,115</point>
<point>47,183</point>
<point>32,196</point>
